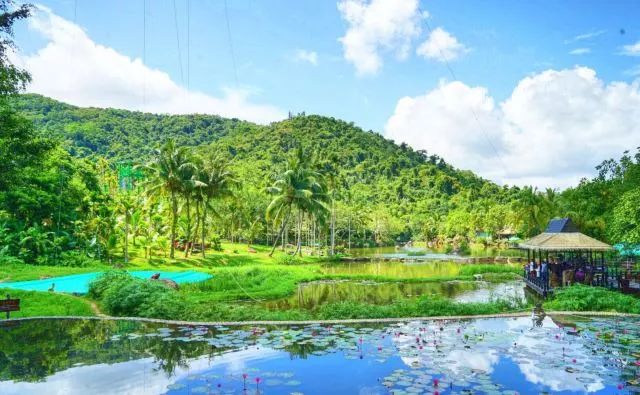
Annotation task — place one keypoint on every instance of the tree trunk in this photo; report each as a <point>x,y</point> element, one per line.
<point>126,236</point>
<point>174,224</point>
<point>299,235</point>
<point>204,222</point>
<point>195,228</point>
<point>349,232</point>
<point>333,229</point>
<point>188,235</point>
<point>279,235</point>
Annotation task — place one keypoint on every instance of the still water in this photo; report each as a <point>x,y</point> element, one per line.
<point>482,356</point>
<point>314,294</point>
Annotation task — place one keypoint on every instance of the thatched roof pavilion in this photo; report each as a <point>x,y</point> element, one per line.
<point>563,235</point>
<point>573,252</point>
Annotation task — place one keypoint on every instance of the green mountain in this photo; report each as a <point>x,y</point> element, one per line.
<point>409,192</point>
<point>384,192</point>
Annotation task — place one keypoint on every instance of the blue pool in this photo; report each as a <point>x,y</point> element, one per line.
<point>79,283</point>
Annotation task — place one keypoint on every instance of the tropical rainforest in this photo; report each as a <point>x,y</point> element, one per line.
<point>85,183</point>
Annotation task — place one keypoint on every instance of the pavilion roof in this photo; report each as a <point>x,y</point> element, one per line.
<point>563,235</point>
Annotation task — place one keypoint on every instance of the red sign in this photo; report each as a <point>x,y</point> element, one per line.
<point>9,305</point>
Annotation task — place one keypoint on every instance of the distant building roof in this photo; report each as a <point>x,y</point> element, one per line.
<point>563,235</point>
<point>561,225</point>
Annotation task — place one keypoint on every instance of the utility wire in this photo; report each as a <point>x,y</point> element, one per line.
<point>233,57</point>
<point>188,40</point>
<point>144,52</point>
<point>175,20</point>
<point>473,112</point>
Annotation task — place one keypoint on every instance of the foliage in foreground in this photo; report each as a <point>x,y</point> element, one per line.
<point>121,294</point>
<point>584,298</point>
<point>33,303</point>
<point>427,306</point>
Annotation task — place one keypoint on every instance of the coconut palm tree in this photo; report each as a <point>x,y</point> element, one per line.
<point>215,181</point>
<point>298,188</point>
<point>126,204</point>
<point>167,170</point>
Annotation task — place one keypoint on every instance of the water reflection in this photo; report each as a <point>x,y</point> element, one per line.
<point>475,252</point>
<point>463,356</point>
<point>314,294</point>
<point>396,269</point>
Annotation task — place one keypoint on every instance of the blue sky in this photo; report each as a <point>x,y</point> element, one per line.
<point>498,44</point>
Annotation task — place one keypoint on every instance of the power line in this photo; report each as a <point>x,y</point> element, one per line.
<point>233,58</point>
<point>144,52</point>
<point>188,40</point>
<point>473,112</point>
<point>175,20</point>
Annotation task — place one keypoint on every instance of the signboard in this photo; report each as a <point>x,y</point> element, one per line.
<point>8,305</point>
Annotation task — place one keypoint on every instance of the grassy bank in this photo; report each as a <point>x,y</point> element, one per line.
<point>34,303</point>
<point>583,298</point>
<point>419,307</point>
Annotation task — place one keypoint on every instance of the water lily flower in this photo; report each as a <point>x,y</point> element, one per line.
<point>436,382</point>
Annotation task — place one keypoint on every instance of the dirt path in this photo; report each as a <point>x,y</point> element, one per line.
<point>96,309</point>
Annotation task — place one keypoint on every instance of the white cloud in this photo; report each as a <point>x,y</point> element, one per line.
<point>375,26</point>
<point>631,49</point>
<point>552,131</point>
<point>441,46</point>
<point>580,51</point>
<point>74,69</point>
<point>586,36</point>
<point>302,55</point>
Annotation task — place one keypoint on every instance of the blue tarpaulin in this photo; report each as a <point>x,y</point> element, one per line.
<point>79,283</point>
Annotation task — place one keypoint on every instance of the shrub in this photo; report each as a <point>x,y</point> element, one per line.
<point>586,298</point>
<point>122,294</point>
<point>288,260</point>
<point>215,242</point>
<point>76,259</point>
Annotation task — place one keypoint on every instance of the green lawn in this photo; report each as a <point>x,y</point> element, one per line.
<point>34,303</point>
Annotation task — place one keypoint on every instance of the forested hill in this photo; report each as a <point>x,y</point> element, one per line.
<point>388,192</point>
<point>357,155</point>
<point>388,185</point>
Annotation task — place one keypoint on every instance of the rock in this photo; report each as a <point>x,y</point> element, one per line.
<point>170,283</point>
<point>252,250</point>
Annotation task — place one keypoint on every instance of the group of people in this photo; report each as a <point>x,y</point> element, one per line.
<point>538,271</point>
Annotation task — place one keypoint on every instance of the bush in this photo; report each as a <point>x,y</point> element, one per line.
<point>76,259</point>
<point>122,294</point>
<point>115,278</point>
<point>288,260</point>
<point>586,298</point>
<point>215,243</point>
<point>6,260</point>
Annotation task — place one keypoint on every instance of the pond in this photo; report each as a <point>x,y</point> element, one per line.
<point>488,356</point>
<point>314,294</point>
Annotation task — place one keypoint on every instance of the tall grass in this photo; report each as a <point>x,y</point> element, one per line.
<point>585,298</point>
<point>33,303</point>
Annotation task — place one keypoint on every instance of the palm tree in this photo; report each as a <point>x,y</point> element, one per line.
<point>167,169</point>
<point>215,181</point>
<point>127,205</point>
<point>298,187</point>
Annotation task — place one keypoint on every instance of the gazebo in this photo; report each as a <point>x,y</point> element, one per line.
<point>570,256</point>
